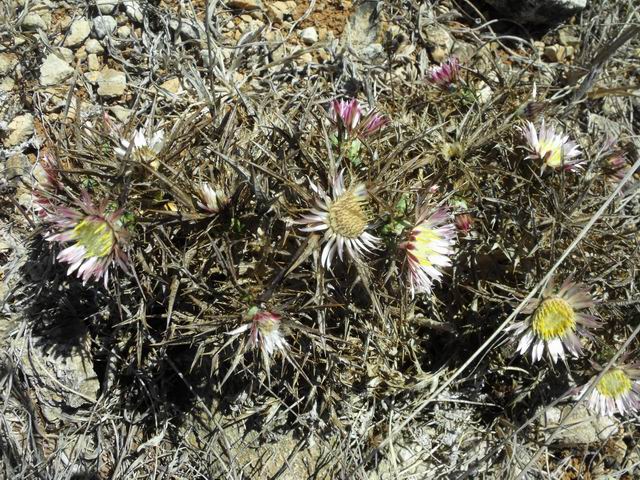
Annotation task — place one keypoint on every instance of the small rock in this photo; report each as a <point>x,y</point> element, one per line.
<point>568,38</point>
<point>81,53</point>
<point>538,12</point>
<point>245,4</point>
<point>172,86</point>
<point>373,53</point>
<point>581,428</point>
<point>133,10</point>
<point>103,26</point>
<point>124,31</point>
<point>92,77</point>
<point>121,113</point>
<point>309,36</point>
<point>7,85</point>
<point>78,32</point>
<point>7,63</point>
<point>187,28</point>
<point>93,62</point>
<point>20,129</point>
<point>306,58</point>
<point>93,46</point>
<point>33,21</point>
<point>111,83</point>
<point>17,166</point>
<point>106,7</point>
<point>555,53</point>
<point>54,70</point>
<point>440,42</point>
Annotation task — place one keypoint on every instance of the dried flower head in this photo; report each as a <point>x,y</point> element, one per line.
<point>555,322</point>
<point>97,238</point>
<point>212,200</point>
<point>464,223</point>
<point>146,147</point>
<point>446,74</point>
<point>344,219</point>
<point>429,248</point>
<point>618,391</point>
<point>265,333</point>
<point>615,165</point>
<point>554,149</point>
<point>348,114</point>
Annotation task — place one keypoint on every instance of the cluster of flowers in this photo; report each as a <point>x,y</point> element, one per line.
<point>94,236</point>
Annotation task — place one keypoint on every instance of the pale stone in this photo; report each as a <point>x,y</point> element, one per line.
<point>93,62</point>
<point>54,70</point>
<point>124,31</point>
<point>581,428</point>
<point>93,46</point>
<point>121,113</point>
<point>440,41</point>
<point>103,26</point>
<point>555,53</point>
<point>7,62</point>
<point>111,83</point>
<point>134,12</point>
<point>7,84</point>
<point>33,21</point>
<point>20,129</point>
<point>78,32</point>
<point>245,4</point>
<point>309,36</point>
<point>172,86</point>
<point>106,7</point>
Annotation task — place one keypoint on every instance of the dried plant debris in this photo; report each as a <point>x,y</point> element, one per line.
<point>271,239</point>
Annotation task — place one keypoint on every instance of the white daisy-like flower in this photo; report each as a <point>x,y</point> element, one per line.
<point>618,391</point>
<point>264,333</point>
<point>429,248</point>
<point>554,149</point>
<point>555,322</point>
<point>146,147</point>
<point>97,238</point>
<point>212,200</point>
<point>344,219</point>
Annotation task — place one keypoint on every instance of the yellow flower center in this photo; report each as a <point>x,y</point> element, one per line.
<point>267,326</point>
<point>614,384</point>
<point>551,153</point>
<point>553,318</point>
<point>347,216</point>
<point>96,236</point>
<point>422,244</point>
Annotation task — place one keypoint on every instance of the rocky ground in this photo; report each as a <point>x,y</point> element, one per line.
<point>130,381</point>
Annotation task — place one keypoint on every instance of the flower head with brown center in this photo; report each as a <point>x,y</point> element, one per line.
<point>344,219</point>
<point>617,391</point>
<point>556,322</point>
<point>97,238</point>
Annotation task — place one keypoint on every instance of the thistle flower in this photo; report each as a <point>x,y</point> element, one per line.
<point>264,333</point>
<point>615,165</point>
<point>212,200</point>
<point>464,223</point>
<point>554,149</point>
<point>446,74</point>
<point>146,147</point>
<point>96,236</point>
<point>618,391</point>
<point>343,218</point>
<point>555,322</point>
<point>349,115</point>
<point>429,246</point>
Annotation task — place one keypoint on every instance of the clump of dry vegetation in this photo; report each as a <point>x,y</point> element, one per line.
<point>280,269</point>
